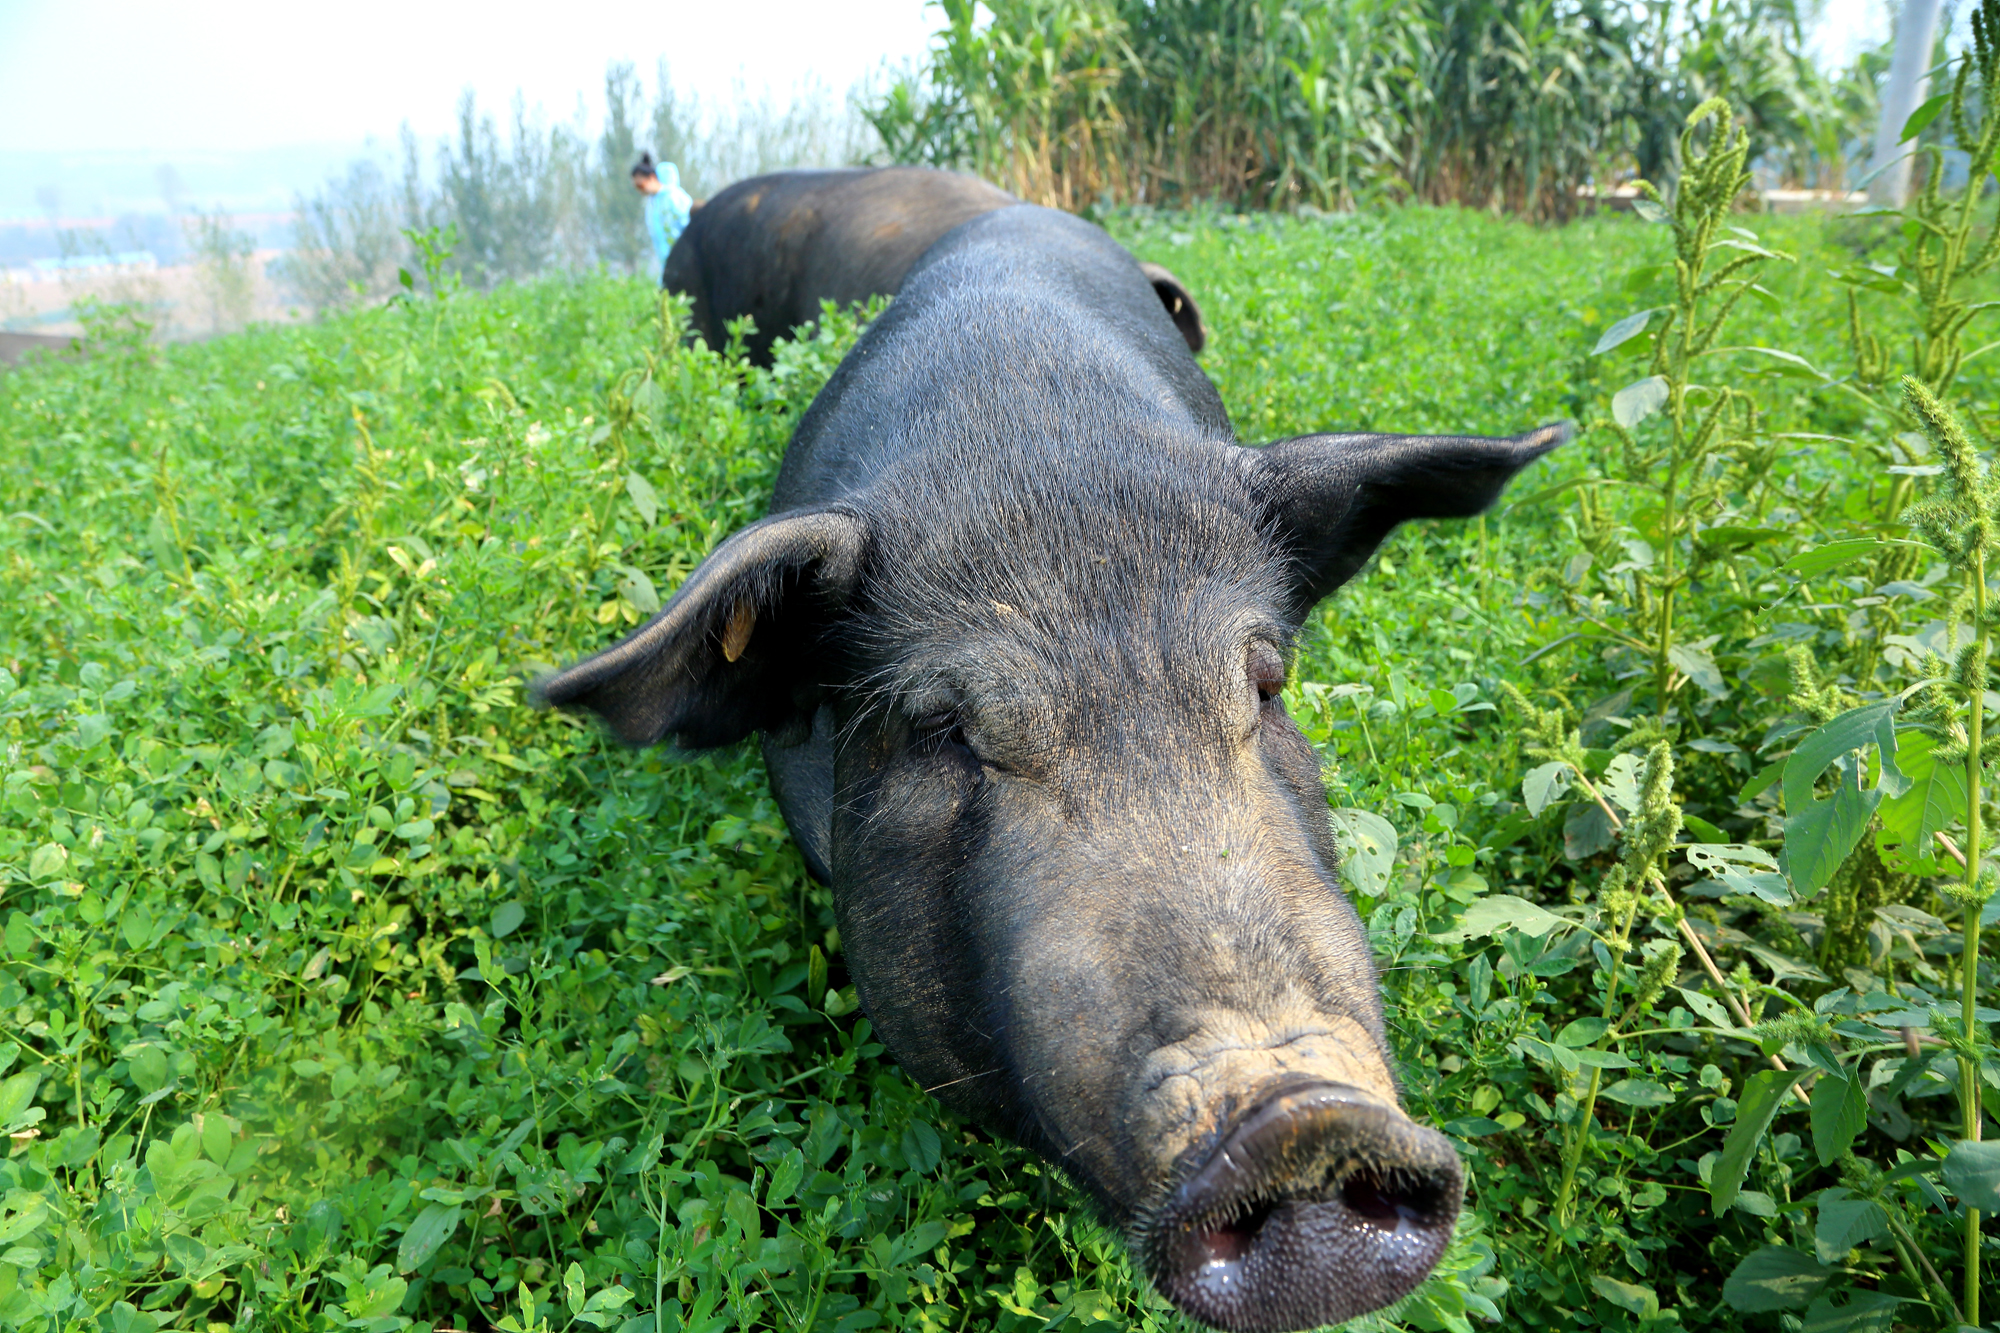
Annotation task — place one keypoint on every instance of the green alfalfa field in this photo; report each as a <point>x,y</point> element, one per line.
<point>341,988</point>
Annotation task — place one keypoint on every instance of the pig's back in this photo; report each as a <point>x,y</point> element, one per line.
<point>1022,330</point>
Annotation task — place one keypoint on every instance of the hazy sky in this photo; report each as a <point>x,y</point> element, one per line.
<point>109,107</point>
<point>211,75</point>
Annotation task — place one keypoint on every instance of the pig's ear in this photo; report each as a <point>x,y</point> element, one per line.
<point>1180,305</point>
<point>1333,498</point>
<point>725,657</point>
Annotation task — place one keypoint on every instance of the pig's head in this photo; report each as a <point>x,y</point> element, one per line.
<point>1081,857</point>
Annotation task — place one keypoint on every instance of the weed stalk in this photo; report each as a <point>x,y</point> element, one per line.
<point>1706,293</point>
<point>1959,522</point>
<point>1648,838</point>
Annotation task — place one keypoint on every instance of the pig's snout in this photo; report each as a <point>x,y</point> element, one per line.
<point>1319,1205</point>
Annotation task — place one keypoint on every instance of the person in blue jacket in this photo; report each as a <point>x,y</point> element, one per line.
<point>667,205</point>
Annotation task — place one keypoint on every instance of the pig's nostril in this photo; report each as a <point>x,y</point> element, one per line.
<point>1228,1243</point>
<point>1367,1196</point>
<point>1387,1201</point>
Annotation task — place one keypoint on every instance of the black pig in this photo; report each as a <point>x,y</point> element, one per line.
<point>773,247</point>
<point>1014,635</point>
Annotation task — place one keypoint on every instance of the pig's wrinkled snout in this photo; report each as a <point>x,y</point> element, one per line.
<point>1319,1205</point>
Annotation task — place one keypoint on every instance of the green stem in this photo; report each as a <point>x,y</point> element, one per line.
<point>1573,1159</point>
<point>1663,667</point>
<point>1587,1108</point>
<point>1968,1067</point>
<point>1906,1246</point>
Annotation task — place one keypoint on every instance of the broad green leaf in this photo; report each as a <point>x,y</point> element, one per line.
<point>1708,1007</point>
<point>1651,211</point>
<point>1934,802</point>
<point>1867,1312</point>
<point>1845,1222</point>
<point>48,861</point>
<point>1638,400</point>
<point>1756,1203</point>
<point>1741,868</point>
<point>1728,537</point>
<point>1822,833</point>
<point>1627,1296</point>
<point>1923,116</point>
<point>1762,781</point>
<point>507,919</point>
<point>1699,666</point>
<point>433,1227</point>
<point>30,1216</point>
<point>1543,785</point>
<point>136,925</point>
<point>15,1095</point>
<point>186,1253</point>
<point>149,1067</point>
<point>1701,828</point>
<point>573,1287</point>
<point>1583,1031</point>
<point>1623,331</point>
<point>650,399</point>
<point>644,498</point>
<point>1972,1172</point>
<point>1621,781</point>
<point>1807,564</point>
<point>1784,967</point>
<point>1775,1277</point>
<point>1500,912</point>
<point>921,1147</point>
<point>1590,1058</point>
<point>1367,849</point>
<point>1586,831</point>
<point>786,1172</point>
<point>1639,1092</point>
<point>215,1138</point>
<point>1839,1110</point>
<point>1561,1057</point>
<point>1857,728</point>
<point>1762,1096</point>
<point>636,588</point>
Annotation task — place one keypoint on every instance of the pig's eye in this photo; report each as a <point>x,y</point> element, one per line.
<point>1267,672</point>
<point>939,730</point>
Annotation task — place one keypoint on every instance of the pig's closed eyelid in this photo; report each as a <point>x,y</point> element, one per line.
<point>1264,665</point>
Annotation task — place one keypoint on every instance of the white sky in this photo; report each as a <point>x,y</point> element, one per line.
<point>216,75</point>
<point>221,75</point>
<point>251,103</point>
<point>1845,28</point>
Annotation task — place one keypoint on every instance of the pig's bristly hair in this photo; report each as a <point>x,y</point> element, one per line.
<point>1092,569</point>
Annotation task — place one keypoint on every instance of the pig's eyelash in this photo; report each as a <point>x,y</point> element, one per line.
<point>941,729</point>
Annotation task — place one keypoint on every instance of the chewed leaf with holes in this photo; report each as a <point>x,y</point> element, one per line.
<point>1367,849</point>
<point>1500,912</point>
<point>1741,868</point>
